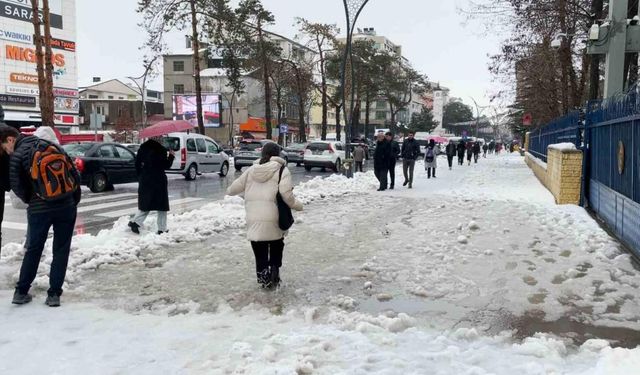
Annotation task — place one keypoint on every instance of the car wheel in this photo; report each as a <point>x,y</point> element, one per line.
<point>308,169</point>
<point>224,170</point>
<point>99,183</point>
<point>192,173</point>
<point>238,168</point>
<point>298,164</point>
<point>337,167</point>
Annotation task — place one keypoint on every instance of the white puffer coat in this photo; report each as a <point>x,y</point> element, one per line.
<point>259,184</point>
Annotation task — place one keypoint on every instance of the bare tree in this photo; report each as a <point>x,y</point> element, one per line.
<point>44,60</point>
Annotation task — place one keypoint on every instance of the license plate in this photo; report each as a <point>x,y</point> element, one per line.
<point>318,152</point>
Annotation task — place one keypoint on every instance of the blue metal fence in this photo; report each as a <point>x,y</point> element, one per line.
<point>612,165</point>
<point>566,129</point>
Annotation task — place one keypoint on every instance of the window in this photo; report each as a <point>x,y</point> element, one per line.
<point>381,115</point>
<point>171,143</point>
<point>178,66</point>
<point>381,104</point>
<point>178,89</point>
<point>212,147</point>
<point>339,147</point>
<point>106,152</point>
<point>110,97</point>
<point>121,97</point>
<point>191,145</point>
<point>100,110</point>
<point>94,97</point>
<point>124,154</point>
<point>201,145</point>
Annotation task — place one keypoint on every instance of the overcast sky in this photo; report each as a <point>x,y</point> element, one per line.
<point>431,33</point>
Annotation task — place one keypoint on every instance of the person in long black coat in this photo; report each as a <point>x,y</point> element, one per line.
<point>381,161</point>
<point>153,193</point>
<point>462,148</point>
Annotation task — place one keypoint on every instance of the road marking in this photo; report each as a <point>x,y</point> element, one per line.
<point>14,226</point>
<point>107,197</point>
<point>104,206</point>
<point>133,210</point>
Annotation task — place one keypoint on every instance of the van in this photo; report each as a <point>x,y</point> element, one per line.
<point>195,154</point>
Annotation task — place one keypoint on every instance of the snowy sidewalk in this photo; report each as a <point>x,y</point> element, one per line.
<point>453,277</point>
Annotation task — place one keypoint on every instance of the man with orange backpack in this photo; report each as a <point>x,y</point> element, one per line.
<point>44,177</point>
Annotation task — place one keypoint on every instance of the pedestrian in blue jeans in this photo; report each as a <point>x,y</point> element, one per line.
<point>41,216</point>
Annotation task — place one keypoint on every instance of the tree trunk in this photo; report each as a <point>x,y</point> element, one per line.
<point>393,115</point>
<point>323,83</point>
<point>265,78</point>
<point>231,122</point>
<point>279,116</point>
<point>196,56</point>
<point>48,59</point>
<point>338,127</point>
<point>367,115</point>
<point>47,117</point>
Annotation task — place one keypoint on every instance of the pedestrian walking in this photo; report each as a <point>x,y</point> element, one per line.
<point>393,159</point>
<point>359,155</point>
<point>462,148</point>
<point>410,153</point>
<point>492,147</point>
<point>5,184</point>
<point>431,159</point>
<point>469,152</point>
<point>153,191</point>
<point>476,151</point>
<point>485,149</point>
<point>451,151</point>
<point>381,161</point>
<point>259,185</point>
<point>44,177</point>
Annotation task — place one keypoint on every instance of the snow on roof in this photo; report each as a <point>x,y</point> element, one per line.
<point>213,72</point>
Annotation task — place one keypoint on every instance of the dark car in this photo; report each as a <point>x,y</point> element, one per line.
<point>295,152</point>
<point>102,165</point>
<point>251,150</point>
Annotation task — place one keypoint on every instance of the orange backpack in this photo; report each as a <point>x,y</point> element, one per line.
<point>52,172</point>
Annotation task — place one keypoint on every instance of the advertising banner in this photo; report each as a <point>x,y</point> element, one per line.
<point>184,108</point>
<point>21,10</point>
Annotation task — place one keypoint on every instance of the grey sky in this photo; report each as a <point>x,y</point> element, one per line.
<point>430,31</point>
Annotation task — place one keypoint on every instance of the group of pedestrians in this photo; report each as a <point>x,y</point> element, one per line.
<point>470,149</point>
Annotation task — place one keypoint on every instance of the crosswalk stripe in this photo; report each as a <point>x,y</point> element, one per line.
<point>97,207</point>
<point>133,210</point>
<point>108,197</point>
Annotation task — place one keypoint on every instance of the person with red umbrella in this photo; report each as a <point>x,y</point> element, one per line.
<point>153,193</point>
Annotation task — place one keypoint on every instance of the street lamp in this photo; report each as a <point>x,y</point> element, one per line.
<point>352,10</point>
<point>479,113</point>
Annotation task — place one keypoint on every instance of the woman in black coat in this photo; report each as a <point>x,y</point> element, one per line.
<point>4,185</point>
<point>462,147</point>
<point>153,192</point>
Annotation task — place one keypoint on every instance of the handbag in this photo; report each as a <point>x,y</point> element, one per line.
<point>285,216</point>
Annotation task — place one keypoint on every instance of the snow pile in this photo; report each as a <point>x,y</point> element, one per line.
<point>119,246</point>
<point>566,146</point>
<point>253,341</point>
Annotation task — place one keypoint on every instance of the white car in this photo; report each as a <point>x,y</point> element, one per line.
<point>324,154</point>
<point>196,154</point>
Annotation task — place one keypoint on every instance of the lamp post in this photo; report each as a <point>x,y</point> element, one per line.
<point>479,113</point>
<point>352,10</point>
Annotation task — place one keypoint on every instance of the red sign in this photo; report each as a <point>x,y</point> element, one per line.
<point>527,119</point>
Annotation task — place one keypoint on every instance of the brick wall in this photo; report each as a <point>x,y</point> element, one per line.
<point>562,175</point>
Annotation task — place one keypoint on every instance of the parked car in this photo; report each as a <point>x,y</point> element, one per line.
<point>196,154</point>
<point>250,150</point>
<point>134,147</point>
<point>324,154</point>
<point>295,151</point>
<point>102,165</point>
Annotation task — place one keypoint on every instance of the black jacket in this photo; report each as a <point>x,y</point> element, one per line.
<point>5,183</point>
<point>461,148</point>
<point>476,148</point>
<point>151,163</point>
<point>395,151</point>
<point>21,184</point>
<point>451,149</point>
<point>410,149</point>
<point>382,155</point>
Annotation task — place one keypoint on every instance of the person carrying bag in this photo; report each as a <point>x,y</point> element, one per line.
<point>269,199</point>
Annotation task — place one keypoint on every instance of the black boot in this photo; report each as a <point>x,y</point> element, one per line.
<point>21,299</point>
<point>53,301</point>
<point>264,278</point>
<point>135,228</point>
<point>275,277</point>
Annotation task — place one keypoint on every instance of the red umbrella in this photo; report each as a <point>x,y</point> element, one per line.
<point>166,127</point>
<point>439,139</point>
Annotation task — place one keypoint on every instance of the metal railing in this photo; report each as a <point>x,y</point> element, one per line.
<point>566,129</point>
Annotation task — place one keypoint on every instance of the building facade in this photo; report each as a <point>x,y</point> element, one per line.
<point>19,92</point>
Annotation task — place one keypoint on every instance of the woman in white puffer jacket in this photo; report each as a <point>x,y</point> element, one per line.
<point>259,185</point>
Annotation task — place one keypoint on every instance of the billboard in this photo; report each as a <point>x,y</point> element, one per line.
<point>184,108</point>
<point>19,93</point>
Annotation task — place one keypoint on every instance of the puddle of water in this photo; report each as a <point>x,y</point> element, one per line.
<point>410,306</point>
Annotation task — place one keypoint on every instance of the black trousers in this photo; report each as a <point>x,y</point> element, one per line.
<point>381,175</point>
<point>450,160</point>
<point>1,215</point>
<point>460,159</point>
<point>359,165</point>
<point>475,157</point>
<point>268,256</point>
<point>63,221</point>
<point>431,171</point>
<point>392,173</point>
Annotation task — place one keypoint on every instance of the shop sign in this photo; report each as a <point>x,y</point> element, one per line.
<point>23,90</point>
<point>21,10</point>
<point>66,104</point>
<point>24,78</point>
<point>65,92</point>
<point>16,37</point>
<point>17,100</point>
<point>29,55</point>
